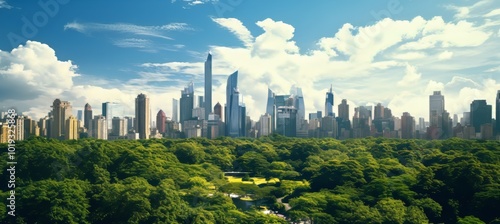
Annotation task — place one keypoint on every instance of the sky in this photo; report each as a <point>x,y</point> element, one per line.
<point>393,52</point>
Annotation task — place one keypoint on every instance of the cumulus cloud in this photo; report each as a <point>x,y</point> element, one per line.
<point>411,76</point>
<point>394,62</point>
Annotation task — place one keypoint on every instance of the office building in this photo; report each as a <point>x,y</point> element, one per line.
<point>186,103</point>
<point>265,125</point>
<point>120,127</point>
<point>497,113</point>
<point>436,107</point>
<point>329,103</point>
<point>480,113</point>
<point>208,86</point>
<point>286,121</point>
<point>175,110</point>
<point>79,115</point>
<point>344,110</point>
<point>71,128</point>
<point>99,127</point>
<point>87,117</point>
<point>234,111</point>
<point>218,110</point>
<point>161,119</point>
<point>61,111</point>
<point>142,116</point>
<point>407,126</point>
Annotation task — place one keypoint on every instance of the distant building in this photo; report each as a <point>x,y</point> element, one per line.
<point>265,123</point>
<point>61,111</point>
<point>175,110</point>
<point>344,110</point>
<point>161,119</point>
<point>87,117</point>
<point>100,127</point>
<point>71,128</point>
<point>142,116</point>
<point>186,103</point>
<point>329,103</point>
<point>208,87</point>
<point>407,126</point>
<point>480,113</point>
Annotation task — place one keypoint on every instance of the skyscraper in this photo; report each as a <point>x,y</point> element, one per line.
<point>161,120</point>
<point>61,111</point>
<point>71,128</point>
<point>379,111</point>
<point>265,128</point>
<point>407,126</point>
<point>235,114</point>
<point>175,110</point>
<point>186,103</point>
<point>480,113</point>
<point>271,108</point>
<point>142,117</point>
<point>436,108</point>
<point>497,113</point>
<point>329,102</point>
<point>344,110</point>
<point>87,117</point>
<point>100,127</point>
<point>218,110</point>
<point>120,126</point>
<point>79,115</point>
<point>208,86</point>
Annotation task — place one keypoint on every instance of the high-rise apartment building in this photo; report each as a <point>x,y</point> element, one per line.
<point>265,125</point>
<point>142,116</point>
<point>99,127</point>
<point>120,126</point>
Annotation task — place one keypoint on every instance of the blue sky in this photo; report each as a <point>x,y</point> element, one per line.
<point>98,51</point>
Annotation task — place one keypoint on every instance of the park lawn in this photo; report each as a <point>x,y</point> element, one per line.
<point>257,180</point>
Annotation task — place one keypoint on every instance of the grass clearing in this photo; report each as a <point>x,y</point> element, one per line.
<point>256,180</point>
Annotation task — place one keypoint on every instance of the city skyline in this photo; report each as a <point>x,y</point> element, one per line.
<point>400,70</point>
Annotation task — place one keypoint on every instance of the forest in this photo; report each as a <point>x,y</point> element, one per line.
<point>322,180</point>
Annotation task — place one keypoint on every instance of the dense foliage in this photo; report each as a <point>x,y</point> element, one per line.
<point>321,181</point>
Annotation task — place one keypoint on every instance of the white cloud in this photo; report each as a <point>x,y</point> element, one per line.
<point>366,65</point>
<point>153,31</point>
<point>493,13</point>
<point>4,5</point>
<point>411,76</point>
<point>445,55</point>
<point>409,56</point>
<point>237,28</point>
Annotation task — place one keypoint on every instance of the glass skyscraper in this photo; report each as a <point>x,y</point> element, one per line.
<point>186,103</point>
<point>234,112</point>
<point>208,86</point>
<point>329,103</point>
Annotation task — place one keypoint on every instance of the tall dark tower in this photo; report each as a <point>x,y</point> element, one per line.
<point>497,113</point>
<point>218,110</point>
<point>161,120</point>
<point>208,86</point>
<point>87,117</point>
<point>329,103</point>
<point>142,116</point>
